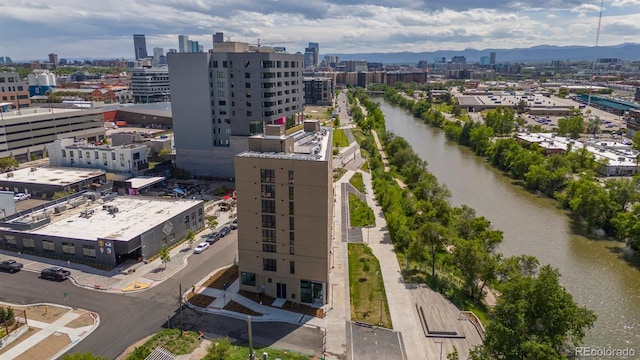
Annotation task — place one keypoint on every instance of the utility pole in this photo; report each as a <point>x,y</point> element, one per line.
<point>180,302</point>
<point>251,354</point>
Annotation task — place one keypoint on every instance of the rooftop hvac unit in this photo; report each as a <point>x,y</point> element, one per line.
<point>34,169</point>
<point>9,174</point>
<point>59,209</point>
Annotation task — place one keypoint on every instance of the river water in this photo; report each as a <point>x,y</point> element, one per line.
<point>601,275</point>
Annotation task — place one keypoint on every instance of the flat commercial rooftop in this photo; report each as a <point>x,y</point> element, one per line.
<point>51,175</point>
<point>135,216</point>
<point>36,111</point>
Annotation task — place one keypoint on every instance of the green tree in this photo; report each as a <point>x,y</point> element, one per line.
<point>8,163</point>
<point>165,257</point>
<point>191,237</point>
<point>572,126</point>
<point>535,318</point>
<point>501,120</point>
<point>83,356</point>
<point>220,350</point>
<point>636,140</point>
<point>164,153</point>
<point>212,222</point>
<point>593,126</point>
<point>627,225</point>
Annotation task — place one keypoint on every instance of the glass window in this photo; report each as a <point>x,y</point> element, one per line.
<point>269,206</point>
<point>48,246</point>
<point>11,241</point>
<point>290,177</point>
<point>269,265</point>
<point>269,247</point>
<point>68,248</point>
<point>292,267</point>
<point>290,192</point>
<point>267,175</point>
<point>291,222</point>
<point>290,207</point>
<point>248,278</point>
<point>268,191</point>
<point>89,251</point>
<point>268,221</point>
<point>28,243</point>
<point>269,235</point>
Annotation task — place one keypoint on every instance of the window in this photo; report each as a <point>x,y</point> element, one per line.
<point>292,267</point>
<point>247,278</point>
<point>290,177</point>
<point>28,243</point>
<point>64,153</point>
<point>89,251</point>
<point>247,85</point>
<point>267,175</point>
<point>268,191</point>
<point>268,221</point>
<point>269,235</point>
<point>290,207</point>
<point>11,241</point>
<point>269,206</point>
<point>291,227</point>
<point>225,64</point>
<point>290,192</point>
<point>269,247</point>
<point>255,127</point>
<point>68,248</point>
<point>48,246</point>
<point>247,75</point>
<point>269,265</point>
<point>222,103</point>
<point>249,113</point>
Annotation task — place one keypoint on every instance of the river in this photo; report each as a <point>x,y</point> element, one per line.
<point>601,275</point>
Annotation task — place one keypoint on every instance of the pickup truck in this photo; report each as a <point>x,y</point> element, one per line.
<point>10,266</point>
<point>55,273</point>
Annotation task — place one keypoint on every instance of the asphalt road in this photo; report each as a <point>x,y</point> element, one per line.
<point>127,318</point>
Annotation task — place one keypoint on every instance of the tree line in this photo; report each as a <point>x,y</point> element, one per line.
<point>459,249</point>
<point>570,177</point>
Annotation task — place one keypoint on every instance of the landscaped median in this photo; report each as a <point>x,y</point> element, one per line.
<point>366,288</point>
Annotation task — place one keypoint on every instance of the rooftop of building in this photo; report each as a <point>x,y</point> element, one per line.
<point>152,109</point>
<point>39,111</point>
<point>84,145</point>
<point>616,153</point>
<point>308,145</point>
<point>144,181</point>
<point>99,220</point>
<point>50,175</point>
<point>511,100</point>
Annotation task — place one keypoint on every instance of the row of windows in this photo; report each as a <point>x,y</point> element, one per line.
<point>272,265</point>
<point>8,79</point>
<point>12,88</point>
<point>50,246</point>
<point>269,176</point>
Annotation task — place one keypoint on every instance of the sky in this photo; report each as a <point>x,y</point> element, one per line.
<point>103,29</point>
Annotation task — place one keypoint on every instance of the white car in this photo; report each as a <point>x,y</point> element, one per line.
<point>201,247</point>
<point>21,196</point>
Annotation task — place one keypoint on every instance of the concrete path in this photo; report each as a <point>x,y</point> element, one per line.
<point>47,329</point>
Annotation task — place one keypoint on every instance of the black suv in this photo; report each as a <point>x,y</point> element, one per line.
<point>55,273</point>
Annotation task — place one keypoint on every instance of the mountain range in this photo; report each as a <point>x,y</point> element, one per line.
<point>536,54</point>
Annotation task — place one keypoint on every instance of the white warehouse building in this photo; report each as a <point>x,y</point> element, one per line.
<point>123,159</point>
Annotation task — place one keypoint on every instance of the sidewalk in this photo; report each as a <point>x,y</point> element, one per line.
<point>38,343</point>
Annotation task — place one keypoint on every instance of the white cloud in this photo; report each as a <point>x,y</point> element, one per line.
<point>103,29</point>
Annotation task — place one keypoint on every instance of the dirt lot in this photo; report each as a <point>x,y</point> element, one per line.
<point>317,112</point>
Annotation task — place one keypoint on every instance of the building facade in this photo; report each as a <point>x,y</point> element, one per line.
<point>140,46</point>
<point>285,197</point>
<point>105,231</point>
<point>220,98</point>
<point>14,90</point>
<point>24,135</point>
<point>150,84</point>
<point>318,91</point>
<point>125,159</point>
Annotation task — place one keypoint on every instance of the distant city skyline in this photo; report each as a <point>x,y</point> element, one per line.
<point>79,29</point>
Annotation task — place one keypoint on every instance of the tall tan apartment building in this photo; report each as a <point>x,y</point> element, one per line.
<point>285,205</point>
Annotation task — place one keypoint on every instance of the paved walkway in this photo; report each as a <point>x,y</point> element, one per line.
<point>56,327</point>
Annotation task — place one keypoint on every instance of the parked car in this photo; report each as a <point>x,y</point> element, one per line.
<point>201,247</point>
<point>213,237</point>
<point>225,230</point>
<point>10,266</point>
<point>234,224</point>
<point>21,196</point>
<point>55,273</point>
